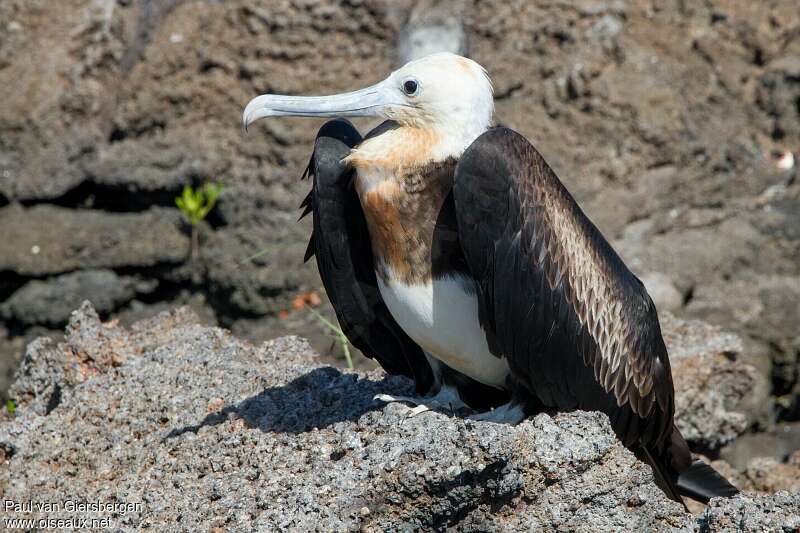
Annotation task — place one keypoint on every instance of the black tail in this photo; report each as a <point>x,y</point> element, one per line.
<point>678,474</point>
<point>701,482</point>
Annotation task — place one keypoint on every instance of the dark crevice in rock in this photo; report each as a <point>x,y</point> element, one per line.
<point>790,412</point>
<point>777,133</point>
<point>716,17</point>
<point>168,288</point>
<point>784,376</point>
<point>150,128</point>
<point>15,329</point>
<point>112,199</point>
<point>54,400</point>
<point>338,455</point>
<point>9,283</point>
<point>208,65</point>
<point>509,92</point>
<point>166,292</point>
<point>759,57</point>
<point>7,451</point>
<point>172,290</point>
<point>215,220</point>
<point>117,134</point>
<point>220,298</point>
<point>688,296</point>
<point>467,492</point>
<point>244,73</point>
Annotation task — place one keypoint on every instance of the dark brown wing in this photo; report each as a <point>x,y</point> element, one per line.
<point>577,326</point>
<point>340,243</point>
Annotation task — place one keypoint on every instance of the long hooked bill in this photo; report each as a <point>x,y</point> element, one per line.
<point>368,102</point>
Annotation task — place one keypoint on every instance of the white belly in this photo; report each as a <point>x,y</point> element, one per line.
<point>442,317</point>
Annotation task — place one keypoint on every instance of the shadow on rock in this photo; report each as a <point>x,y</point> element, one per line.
<point>317,399</point>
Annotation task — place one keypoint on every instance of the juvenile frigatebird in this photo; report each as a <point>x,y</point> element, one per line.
<point>453,254</point>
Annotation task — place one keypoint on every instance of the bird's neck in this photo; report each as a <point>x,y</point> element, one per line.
<point>392,150</point>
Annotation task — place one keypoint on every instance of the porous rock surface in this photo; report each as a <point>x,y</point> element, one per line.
<point>665,120</point>
<point>208,431</point>
<point>51,301</point>
<point>717,395</point>
<point>50,240</point>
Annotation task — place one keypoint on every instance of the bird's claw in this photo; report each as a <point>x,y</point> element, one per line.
<point>418,408</point>
<point>388,398</point>
<point>421,408</point>
<point>446,399</point>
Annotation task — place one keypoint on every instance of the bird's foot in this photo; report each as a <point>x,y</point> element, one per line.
<point>447,399</point>
<point>505,414</point>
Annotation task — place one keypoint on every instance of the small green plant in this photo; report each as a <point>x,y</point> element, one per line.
<point>11,407</point>
<point>338,333</point>
<point>196,204</point>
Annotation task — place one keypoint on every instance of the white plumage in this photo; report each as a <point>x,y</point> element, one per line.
<point>442,317</point>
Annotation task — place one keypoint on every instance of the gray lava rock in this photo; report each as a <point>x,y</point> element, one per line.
<point>644,114</point>
<point>240,286</point>
<point>778,92</point>
<point>46,239</point>
<point>433,27</point>
<point>52,300</point>
<point>778,445</point>
<point>767,307</point>
<point>777,512</point>
<point>663,291</point>
<point>206,431</point>
<point>717,397</point>
<point>10,353</point>
<point>158,167</point>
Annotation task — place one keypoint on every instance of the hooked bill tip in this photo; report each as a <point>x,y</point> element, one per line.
<point>250,113</point>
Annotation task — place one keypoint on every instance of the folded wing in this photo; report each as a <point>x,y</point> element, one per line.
<point>577,326</point>
<point>340,243</point>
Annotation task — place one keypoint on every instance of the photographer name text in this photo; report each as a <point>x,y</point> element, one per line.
<point>71,506</point>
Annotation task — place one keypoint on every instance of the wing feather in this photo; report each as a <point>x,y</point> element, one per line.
<point>340,243</point>
<point>576,325</point>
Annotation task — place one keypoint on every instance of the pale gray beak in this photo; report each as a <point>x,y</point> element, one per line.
<point>369,102</point>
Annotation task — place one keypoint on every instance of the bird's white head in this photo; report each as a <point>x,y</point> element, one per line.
<point>445,97</point>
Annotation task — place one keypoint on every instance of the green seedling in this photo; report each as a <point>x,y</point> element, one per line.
<point>196,204</point>
<point>338,333</point>
<point>11,407</point>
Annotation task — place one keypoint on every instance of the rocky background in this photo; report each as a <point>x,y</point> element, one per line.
<point>675,124</point>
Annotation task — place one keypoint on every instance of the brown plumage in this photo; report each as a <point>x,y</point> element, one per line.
<point>402,216</point>
<point>572,255</point>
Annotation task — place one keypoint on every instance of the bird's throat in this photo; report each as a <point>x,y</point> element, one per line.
<point>394,149</point>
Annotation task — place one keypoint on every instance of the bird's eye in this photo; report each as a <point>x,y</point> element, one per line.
<point>411,87</point>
